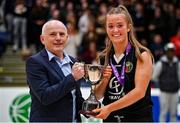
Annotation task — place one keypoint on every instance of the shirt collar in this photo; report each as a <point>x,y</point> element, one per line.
<point>65,60</point>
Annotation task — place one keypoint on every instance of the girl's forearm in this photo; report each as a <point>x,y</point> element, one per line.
<point>100,89</point>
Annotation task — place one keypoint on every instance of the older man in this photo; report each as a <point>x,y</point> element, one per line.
<point>54,78</point>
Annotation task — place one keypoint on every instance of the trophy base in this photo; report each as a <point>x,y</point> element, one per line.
<point>88,113</point>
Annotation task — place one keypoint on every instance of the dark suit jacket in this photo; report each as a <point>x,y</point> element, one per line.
<point>50,90</point>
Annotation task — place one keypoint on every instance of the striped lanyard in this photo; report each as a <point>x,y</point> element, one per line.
<point>121,77</point>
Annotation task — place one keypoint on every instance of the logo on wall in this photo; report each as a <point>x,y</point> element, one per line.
<point>20,108</point>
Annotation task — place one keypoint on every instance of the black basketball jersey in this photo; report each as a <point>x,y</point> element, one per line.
<point>115,91</point>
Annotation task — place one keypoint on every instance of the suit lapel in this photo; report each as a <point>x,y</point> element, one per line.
<point>56,67</point>
<point>53,64</point>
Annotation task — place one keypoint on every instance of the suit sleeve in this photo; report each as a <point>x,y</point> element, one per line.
<point>37,78</point>
<point>80,99</point>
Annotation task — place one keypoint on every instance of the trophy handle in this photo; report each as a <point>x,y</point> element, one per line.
<point>86,73</point>
<point>85,70</point>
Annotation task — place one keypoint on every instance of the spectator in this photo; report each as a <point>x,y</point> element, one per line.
<point>176,41</point>
<point>157,46</point>
<point>84,22</point>
<point>157,24</point>
<point>20,25</point>
<point>167,74</point>
<point>74,39</point>
<point>100,22</point>
<point>89,40</point>
<point>38,16</point>
<point>139,21</point>
<point>8,13</point>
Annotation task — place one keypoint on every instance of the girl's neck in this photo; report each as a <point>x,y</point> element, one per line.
<point>119,48</point>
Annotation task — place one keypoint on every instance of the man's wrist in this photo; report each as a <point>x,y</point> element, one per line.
<point>76,79</point>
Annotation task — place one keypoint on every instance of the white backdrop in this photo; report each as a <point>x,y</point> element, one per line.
<point>8,94</point>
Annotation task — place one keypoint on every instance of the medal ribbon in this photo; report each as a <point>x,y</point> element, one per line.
<point>121,78</point>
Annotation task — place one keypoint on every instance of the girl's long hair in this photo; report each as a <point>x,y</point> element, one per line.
<point>131,36</point>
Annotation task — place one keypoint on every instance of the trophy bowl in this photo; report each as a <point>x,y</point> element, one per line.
<point>94,74</point>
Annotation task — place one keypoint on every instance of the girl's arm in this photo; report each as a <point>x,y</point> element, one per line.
<point>100,88</point>
<point>142,78</point>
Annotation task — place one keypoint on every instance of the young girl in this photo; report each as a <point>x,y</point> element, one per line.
<point>125,85</point>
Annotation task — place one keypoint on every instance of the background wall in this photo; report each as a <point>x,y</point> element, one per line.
<point>15,104</point>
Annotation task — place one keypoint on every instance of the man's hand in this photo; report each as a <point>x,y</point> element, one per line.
<point>78,71</point>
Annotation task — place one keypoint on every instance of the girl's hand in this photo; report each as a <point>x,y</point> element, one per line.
<point>107,72</point>
<point>103,112</point>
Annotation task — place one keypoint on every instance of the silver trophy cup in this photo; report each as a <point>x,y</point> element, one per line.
<point>93,74</point>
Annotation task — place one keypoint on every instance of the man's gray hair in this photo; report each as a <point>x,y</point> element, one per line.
<point>50,23</point>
